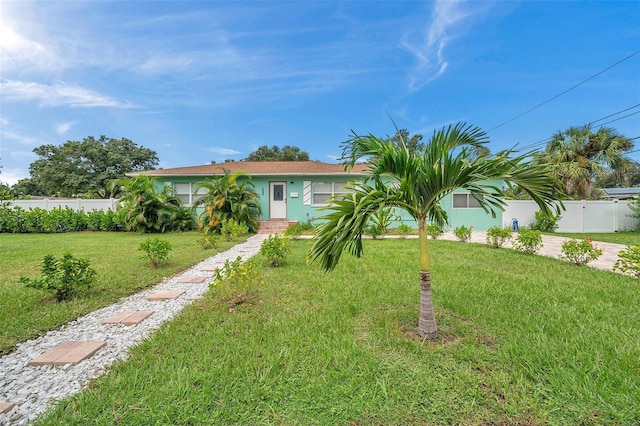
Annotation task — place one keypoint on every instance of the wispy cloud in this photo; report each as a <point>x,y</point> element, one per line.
<point>60,94</point>
<point>223,151</point>
<point>446,17</point>
<point>21,139</point>
<point>19,52</point>
<point>63,128</point>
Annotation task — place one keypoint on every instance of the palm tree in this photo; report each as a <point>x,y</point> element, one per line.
<point>151,207</point>
<point>417,182</point>
<point>578,156</point>
<point>228,196</point>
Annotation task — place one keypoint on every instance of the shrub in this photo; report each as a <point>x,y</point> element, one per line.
<point>463,233</point>
<point>209,241</point>
<point>293,231</point>
<point>497,236</point>
<point>156,250</point>
<point>579,252</point>
<point>434,231</point>
<point>629,261</point>
<point>373,230</point>
<point>383,218</point>
<point>403,230</point>
<point>275,249</point>
<point>62,277</point>
<point>635,211</point>
<point>236,280</point>
<point>528,241</point>
<point>545,223</point>
<point>231,229</point>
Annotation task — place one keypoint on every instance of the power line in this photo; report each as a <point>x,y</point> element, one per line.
<point>620,118</point>
<point>611,115</point>
<point>562,93</point>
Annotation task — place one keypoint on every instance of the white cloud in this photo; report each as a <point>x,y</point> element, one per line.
<point>21,139</point>
<point>19,52</point>
<point>60,94</point>
<point>446,17</point>
<point>12,176</point>
<point>223,151</point>
<point>4,121</point>
<point>63,128</point>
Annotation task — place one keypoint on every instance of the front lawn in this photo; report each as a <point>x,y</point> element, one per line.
<point>25,314</point>
<point>526,340</point>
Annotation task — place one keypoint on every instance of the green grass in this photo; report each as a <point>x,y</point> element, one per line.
<point>627,237</point>
<point>525,340</point>
<point>26,313</point>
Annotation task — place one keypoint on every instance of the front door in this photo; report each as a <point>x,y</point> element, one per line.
<point>277,200</point>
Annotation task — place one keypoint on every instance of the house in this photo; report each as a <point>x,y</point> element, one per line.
<point>296,191</point>
<point>621,193</point>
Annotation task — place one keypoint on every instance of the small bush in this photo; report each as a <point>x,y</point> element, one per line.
<point>463,233</point>
<point>231,229</point>
<point>383,218</point>
<point>209,241</point>
<point>497,236</point>
<point>62,277</point>
<point>434,231</point>
<point>293,231</point>
<point>545,223</point>
<point>528,241</point>
<point>236,280</point>
<point>629,261</point>
<point>275,250</point>
<point>155,250</point>
<point>403,230</point>
<point>579,252</point>
<point>373,230</point>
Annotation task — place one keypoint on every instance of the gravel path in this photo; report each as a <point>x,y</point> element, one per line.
<point>34,389</point>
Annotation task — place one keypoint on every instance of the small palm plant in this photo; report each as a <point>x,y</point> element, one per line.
<point>417,181</point>
<point>228,196</point>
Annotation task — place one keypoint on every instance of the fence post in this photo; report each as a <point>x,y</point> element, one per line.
<point>584,212</point>
<point>615,216</point>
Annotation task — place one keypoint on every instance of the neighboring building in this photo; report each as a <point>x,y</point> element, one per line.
<point>297,190</point>
<point>621,193</point>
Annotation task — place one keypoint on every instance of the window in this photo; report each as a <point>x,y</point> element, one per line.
<point>184,191</point>
<point>465,201</point>
<point>320,193</point>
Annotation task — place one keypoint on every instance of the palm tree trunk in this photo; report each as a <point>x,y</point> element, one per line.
<point>427,323</point>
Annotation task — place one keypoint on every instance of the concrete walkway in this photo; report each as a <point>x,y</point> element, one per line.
<point>552,245</point>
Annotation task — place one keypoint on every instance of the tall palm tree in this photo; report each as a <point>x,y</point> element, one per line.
<point>228,196</point>
<point>417,182</point>
<point>578,156</point>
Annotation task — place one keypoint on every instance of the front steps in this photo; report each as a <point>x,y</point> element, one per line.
<point>274,226</point>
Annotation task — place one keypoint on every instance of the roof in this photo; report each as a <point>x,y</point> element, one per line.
<point>622,192</point>
<point>259,168</point>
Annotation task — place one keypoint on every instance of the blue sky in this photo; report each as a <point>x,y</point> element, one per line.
<point>206,81</point>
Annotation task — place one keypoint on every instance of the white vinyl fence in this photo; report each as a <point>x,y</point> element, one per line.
<point>73,203</point>
<point>578,216</point>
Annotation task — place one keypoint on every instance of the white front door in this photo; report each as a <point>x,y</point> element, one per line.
<point>277,200</point>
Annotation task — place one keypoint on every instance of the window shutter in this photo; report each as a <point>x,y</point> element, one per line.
<point>306,193</point>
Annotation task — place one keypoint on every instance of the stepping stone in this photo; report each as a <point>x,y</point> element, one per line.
<point>193,280</point>
<point>129,317</point>
<point>165,295</point>
<point>67,353</point>
<point>5,407</point>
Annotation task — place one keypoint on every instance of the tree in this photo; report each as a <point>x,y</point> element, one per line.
<point>417,182</point>
<point>578,156</point>
<point>150,207</point>
<point>413,143</point>
<point>77,168</point>
<point>228,196</point>
<point>628,175</point>
<point>287,153</point>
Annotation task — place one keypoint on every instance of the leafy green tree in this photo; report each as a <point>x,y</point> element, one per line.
<point>150,207</point>
<point>417,182</point>
<point>579,155</point>
<point>76,168</point>
<point>228,196</point>
<point>26,187</point>
<point>626,176</point>
<point>413,143</point>
<point>275,153</point>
